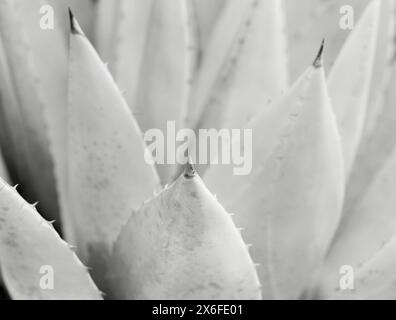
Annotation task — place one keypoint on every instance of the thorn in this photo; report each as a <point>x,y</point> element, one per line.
<point>74,26</point>
<point>35,204</point>
<point>189,170</point>
<point>71,247</point>
<point>249,245</point>
<point>241,229</point>
<point>257,265</point>
<point>47,224</point>
<point>232,214</point>
<point>51,222</point>
<point>318,63</point>
<point>15,187</point>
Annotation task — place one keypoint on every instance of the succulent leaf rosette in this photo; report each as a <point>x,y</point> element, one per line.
<point>77,98</point>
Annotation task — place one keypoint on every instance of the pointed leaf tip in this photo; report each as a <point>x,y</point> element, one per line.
<point>318,62</point>
<point>189,171</point>
<point>74,26</point>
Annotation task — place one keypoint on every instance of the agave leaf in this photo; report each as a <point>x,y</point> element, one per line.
<point>350,94</point>
<point>364,230</point>
<point>50,56</point>
<point>121,34</point>
<point>309,21</point>
<point>378,138</point>
<point>375,150</point>
<point>182,244</point>
<point>231,21</point>
<point>28,244</point>
<point>150,59</point>
<point>258,72</point>
<point>107,173</point>
<point>207,13</point>
<point>265,138</point>
<point>243,70</point>
<point>384,56</point>
<point>165,72</point>
<point>291,203</point>
<point>47,69</point>
<point>27,96</point>
<point>244,65</point>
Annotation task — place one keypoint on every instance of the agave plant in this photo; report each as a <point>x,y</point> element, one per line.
<point>319,197</point>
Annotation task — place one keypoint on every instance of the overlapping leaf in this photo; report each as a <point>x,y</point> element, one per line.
<point>291,202</point>
<point>182,244</point>
<point>31,250</point>
<point>377,140</point>
<point>365,229</point>
<point>108,176</point>
<point>350,94</point>
<point>244,66</point>
<point>150,59</point>
<point>25,97</point>
<point>375,150</point>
